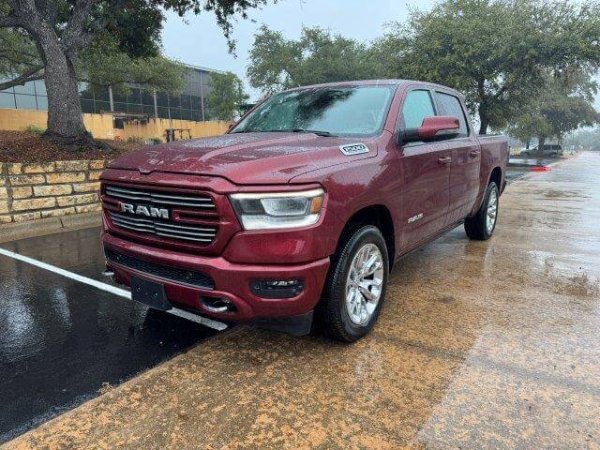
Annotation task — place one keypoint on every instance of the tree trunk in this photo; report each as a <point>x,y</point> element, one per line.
<point>483,124</point>
<point>527,144</point>
<point>65,120</point>
<point>540,148</point>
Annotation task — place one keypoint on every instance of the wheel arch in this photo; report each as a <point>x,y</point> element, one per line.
<point>378,216</point>
<point>496,177</point>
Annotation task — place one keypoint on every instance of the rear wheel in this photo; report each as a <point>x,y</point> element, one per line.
<point>356,286</point>
<point>481,226</point>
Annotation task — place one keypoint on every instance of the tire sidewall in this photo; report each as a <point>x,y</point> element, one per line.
<point>491,187</point>
<point>364,235</point>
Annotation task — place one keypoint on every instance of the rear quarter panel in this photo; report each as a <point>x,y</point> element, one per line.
<point>494,154</point>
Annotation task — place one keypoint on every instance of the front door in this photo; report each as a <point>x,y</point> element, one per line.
<point>426,172</point>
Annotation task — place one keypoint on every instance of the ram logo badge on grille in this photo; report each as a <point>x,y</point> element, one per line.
<point>354,149</point>
<point>148,211</point>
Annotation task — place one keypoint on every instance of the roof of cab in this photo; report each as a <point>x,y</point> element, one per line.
<point>382,82</point>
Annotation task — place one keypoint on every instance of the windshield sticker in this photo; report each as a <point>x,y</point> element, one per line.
<point>354,149</point>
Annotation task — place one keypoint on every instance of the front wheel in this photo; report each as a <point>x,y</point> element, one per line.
<point>356,286</point>
<point>481,226</point>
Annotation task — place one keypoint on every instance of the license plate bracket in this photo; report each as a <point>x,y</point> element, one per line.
<point>149,293</point>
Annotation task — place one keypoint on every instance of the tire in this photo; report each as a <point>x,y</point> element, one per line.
<point>481,226</point>
<point>342,294</point>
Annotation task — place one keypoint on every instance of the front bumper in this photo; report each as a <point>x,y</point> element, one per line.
<point>230,281</point>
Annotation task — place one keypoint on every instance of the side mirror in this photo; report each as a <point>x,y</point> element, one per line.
<point>432,128</point>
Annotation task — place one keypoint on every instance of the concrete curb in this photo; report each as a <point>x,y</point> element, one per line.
<point>41,227</point>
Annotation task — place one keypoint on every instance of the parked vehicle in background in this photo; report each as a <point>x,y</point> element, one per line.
<point>548,150</point>
<point>302,209</point>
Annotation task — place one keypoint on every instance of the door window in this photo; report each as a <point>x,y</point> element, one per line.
<point>449,105</point>
<point>417,106</point>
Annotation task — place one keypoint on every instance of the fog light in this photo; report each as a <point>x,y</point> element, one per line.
<point>277,288</point>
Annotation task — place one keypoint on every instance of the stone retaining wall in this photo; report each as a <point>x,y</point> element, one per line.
<point>36,191</point>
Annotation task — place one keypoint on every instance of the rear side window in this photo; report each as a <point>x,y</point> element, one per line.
<point>417,106</point>
<point>449,105</point>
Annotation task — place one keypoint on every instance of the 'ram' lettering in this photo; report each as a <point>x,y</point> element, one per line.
<point>148,211</point>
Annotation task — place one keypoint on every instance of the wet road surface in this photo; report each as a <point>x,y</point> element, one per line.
<point>61,341</point>
<point>480,345</point>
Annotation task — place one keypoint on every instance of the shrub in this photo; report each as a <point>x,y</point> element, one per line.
<point>34,129</point>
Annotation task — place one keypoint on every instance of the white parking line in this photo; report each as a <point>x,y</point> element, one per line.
<point>214,324</point>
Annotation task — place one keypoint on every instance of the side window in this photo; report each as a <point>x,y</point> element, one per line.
<point>417,106</point>
<point>449,105</point>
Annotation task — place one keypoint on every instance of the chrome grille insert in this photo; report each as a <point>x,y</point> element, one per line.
<point>203,202</point>
<point>194,233</point>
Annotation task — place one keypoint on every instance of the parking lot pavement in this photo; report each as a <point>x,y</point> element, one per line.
<point>61,340</point>
<point>480,345</point>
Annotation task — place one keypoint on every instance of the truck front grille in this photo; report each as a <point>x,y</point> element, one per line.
<point>183,276</point>
<point>185,217</point>
<point>203,234</point>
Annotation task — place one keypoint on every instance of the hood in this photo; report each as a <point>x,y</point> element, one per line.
<point>245,158</point>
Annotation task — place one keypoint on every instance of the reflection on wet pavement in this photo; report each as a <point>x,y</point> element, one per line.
<point>61,341</point>
<point>480,345</point>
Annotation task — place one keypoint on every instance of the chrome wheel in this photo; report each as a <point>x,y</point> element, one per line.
<point>364,284</point>
<point>492,211</point>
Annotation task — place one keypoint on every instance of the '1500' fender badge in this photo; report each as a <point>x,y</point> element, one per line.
<point>354,149</point>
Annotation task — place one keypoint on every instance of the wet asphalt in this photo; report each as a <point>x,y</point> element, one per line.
<point>62,342</point>
<point>490,344</point>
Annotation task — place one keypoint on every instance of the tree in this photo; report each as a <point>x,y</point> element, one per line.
<point>318,56</point>
<point>60,30</point>
<point>226,96</point>
<point>586,139</point>
<point>104,64</point>
<point>565,104</point>
<point>494,51</point>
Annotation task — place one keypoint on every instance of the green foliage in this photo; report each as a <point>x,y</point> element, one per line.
<point>34,129</point>
<point>317,57</point>
<point>105,64</point>
<point>563,105</point>
<point>494,51</point>
<point>225,97</point>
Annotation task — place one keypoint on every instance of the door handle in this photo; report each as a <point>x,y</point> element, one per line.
<point>474,153</point>
<point>445,160</point>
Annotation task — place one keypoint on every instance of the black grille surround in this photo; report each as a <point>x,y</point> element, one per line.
<point>182,276</point>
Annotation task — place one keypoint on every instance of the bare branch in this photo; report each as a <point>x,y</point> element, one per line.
<point>35,73</point>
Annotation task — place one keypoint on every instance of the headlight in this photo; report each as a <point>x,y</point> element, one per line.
<point>278,210</point>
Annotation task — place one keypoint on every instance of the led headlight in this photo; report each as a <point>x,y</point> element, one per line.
<point>278,210</point>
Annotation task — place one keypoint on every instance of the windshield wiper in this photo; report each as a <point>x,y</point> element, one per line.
<point>317,132</point>
<point>295,130</point>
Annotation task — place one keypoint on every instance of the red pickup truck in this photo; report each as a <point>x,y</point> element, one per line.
<point>300,211</point>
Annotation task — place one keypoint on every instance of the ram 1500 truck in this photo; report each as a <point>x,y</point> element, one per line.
<point>300,211</point>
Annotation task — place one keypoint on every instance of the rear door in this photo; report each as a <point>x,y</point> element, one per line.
<point>426,172</point>
<point>466,159</point>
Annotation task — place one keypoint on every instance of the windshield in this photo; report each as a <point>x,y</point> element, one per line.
<point>339,111</point>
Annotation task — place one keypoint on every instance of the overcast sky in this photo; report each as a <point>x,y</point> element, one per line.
<point>199,41</point>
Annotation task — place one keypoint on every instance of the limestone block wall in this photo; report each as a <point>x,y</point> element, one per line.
<point>59,188</point>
